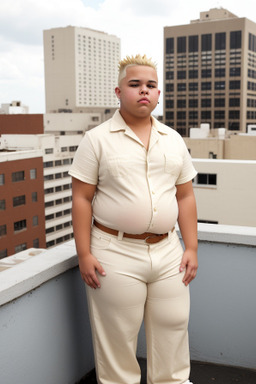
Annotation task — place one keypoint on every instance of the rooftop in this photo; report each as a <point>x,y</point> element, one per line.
<point>45,332</point>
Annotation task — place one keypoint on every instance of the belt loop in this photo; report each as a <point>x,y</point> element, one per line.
<point>120,235</point>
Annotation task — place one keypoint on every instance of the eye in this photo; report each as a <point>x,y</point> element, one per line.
<point>134,85</point>
<point>151,86</point>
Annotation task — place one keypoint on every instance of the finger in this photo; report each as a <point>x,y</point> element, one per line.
<point>101,270</point>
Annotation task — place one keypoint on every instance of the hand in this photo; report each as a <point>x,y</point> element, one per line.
<point>190,263</point>
<point>88,266</point>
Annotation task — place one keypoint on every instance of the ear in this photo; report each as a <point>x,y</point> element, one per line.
<point>118,92</point>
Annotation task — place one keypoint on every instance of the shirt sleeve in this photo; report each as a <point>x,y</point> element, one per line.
<point>85,163</point>
<point>188,171</point>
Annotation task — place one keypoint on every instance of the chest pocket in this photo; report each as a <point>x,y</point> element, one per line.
<point>119,166</point>
<point>173,164</point>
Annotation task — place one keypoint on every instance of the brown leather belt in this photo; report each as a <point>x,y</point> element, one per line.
<point>148,237</point>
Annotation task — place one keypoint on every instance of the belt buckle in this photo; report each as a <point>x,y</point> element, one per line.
<point>153,236</point>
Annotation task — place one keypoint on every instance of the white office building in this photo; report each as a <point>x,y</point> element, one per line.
<point>81,69</point>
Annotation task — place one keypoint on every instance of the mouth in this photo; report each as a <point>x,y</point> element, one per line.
<point>143,100</point>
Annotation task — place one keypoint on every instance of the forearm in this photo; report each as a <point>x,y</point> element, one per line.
<point>82,219</point>
<point>187,221</point>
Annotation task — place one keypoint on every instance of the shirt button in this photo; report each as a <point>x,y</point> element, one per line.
<point>153,192</point>
<point>155,209</point>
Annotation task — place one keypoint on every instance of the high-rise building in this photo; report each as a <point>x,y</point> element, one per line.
<point>81,69</point>
<point>210,72</point>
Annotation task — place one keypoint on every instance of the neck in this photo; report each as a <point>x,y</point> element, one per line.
<point>135,122</point>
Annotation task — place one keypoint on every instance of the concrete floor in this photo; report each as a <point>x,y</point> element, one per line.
<point>201,373</point>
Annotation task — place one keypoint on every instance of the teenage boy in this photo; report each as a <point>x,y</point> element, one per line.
<point>132,177</point>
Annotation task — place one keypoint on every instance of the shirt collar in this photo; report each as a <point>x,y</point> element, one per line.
<point>118,124</point>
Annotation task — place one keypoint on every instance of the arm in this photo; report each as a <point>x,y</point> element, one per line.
<point>82,196</point>
<point>188,227</point>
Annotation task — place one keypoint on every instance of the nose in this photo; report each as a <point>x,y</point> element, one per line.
<point>144,91</point>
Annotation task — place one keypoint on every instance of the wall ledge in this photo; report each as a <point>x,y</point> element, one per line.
<point>230,234</point>
<point>29,269</point>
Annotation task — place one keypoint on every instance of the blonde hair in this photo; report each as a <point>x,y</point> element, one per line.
<point>129,61</point>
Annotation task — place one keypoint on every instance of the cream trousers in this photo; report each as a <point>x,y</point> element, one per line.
<point>142,282</point>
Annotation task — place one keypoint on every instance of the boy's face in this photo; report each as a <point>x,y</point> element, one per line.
<point>138,91</point>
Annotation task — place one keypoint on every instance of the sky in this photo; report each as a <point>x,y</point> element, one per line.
<point>138,23</point>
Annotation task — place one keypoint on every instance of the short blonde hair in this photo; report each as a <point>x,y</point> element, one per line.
<point>129,61</point>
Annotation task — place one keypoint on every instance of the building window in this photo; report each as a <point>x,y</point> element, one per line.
<point>193,103</point>
<point>47,151</point>
<point>18,176</point>
<point>205,179</point>
<point>20,247</point>
<point>234,115</point>
<point>206,86</point>
<point>205,103</point>
<point>169,115</point>
<point>233,126</point>
<point>219,102</point>
<point>181,75</point>
<point>3,253</point>
<point>170,45</point>
<point>206,42</point>
<point>169,75</point>
<point>181,44</point>
<point>48,177</point>
<point>2,205</point>
<point>34,196</point>
<point>193,115</point>
<point>252,42</point>
<point>33,173</point>
<point>219,85</point>
<point>234,84</point>
<point>36,243</point>
<point>3,230</point>
<point>235,39</point>
<point>169,88</point>
<point>193,43</point>
<point>181,87</point>
<point>48,164</point>
<point>219,115</point>
<point>193,86</point>
<point>35,221</point>
<point>19,200</point>
<point>2,179</point>
<point>20,225</point>
<point>234,102</point>
<point>181,103</point>
<point>220,72</point>
<point>205,115</point>
<point>73,148</point>
<point>169,104</point>
<point>206,73</point>
<point>193,74</point>
<point>234,71</point>
<point>220,41</point>
<point>181,115</point>
<point>49,217</point>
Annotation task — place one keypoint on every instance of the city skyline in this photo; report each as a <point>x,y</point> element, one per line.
<point>139,25</point>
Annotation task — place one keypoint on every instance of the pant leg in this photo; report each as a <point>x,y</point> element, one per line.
<point>166,317</point>
<point>117,309</point>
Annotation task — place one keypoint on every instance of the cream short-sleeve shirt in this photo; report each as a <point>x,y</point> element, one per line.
<point>136,188</point>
